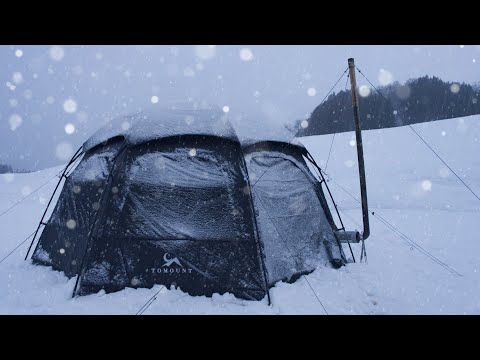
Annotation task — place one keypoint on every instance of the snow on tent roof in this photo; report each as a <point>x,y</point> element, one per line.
<point>155,123</point>
<point>262,132</point>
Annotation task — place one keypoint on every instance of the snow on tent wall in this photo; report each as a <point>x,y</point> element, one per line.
<point>155,123</point>
<point>205,221</point>
<point>294,229</point>
<point>179,193</point>
<point>65,235</point>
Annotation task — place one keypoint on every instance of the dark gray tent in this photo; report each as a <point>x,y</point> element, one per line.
<point>170,197</point>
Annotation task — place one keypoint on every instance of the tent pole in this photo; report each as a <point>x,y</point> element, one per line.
<point>257,236</point>
<point>92,228</point>
<point>361,163</point>
<point>72,160</point>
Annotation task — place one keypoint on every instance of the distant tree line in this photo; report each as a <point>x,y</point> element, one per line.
<point>418,100</point>
<point>4,169</point>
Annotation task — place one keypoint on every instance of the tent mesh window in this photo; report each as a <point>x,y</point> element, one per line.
<point>293,226</point>
<point>189,193</point>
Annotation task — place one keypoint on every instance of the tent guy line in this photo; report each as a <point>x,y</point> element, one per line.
<point>401,235</point>
<point>333,138</point>
<point>420,137</point>
<point>30,194</point>
<point>300,127</point>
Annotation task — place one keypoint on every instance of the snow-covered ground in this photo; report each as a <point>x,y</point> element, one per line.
<point>407,185</point>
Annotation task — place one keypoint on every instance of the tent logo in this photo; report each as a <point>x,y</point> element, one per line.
<point>167,267</point>
<point>169,262</point>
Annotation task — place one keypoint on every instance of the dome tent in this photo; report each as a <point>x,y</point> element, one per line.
<point>166,197</point>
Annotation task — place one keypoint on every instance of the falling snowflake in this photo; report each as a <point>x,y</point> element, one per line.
<point>18,53</point>
<point>125,125</point>
<point>71,224</point>
<point>15,121</point>
<point>385,77</point>
<point>56,53</point>
<point>10,86</point>
<point>154,99</point>
<point>70,106</point>
<point>426,185</point>
<point>364,91</point>
<point>349,163</point>
<point>226,109</point>
<point>50,100</point>
<point>455,88</point>
<point>17,77</point>
<point>352,143</point>
<point>304,124</point>
<point>312,91</point>
<point>246,54</point>
<point>61,251</point>
<point>69,128</point>
<point>192,152</point>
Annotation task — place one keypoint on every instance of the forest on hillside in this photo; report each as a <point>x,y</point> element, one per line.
<point>418,100</point>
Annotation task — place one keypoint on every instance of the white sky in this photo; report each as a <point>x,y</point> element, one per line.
<point>266,83</point>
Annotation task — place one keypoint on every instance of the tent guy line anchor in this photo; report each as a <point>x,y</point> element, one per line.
<point>397,232</point>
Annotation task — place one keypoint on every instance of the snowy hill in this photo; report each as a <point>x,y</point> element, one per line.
<point>407,186</point>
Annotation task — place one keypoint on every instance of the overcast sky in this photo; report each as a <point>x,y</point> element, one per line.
<point>54,96</point>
